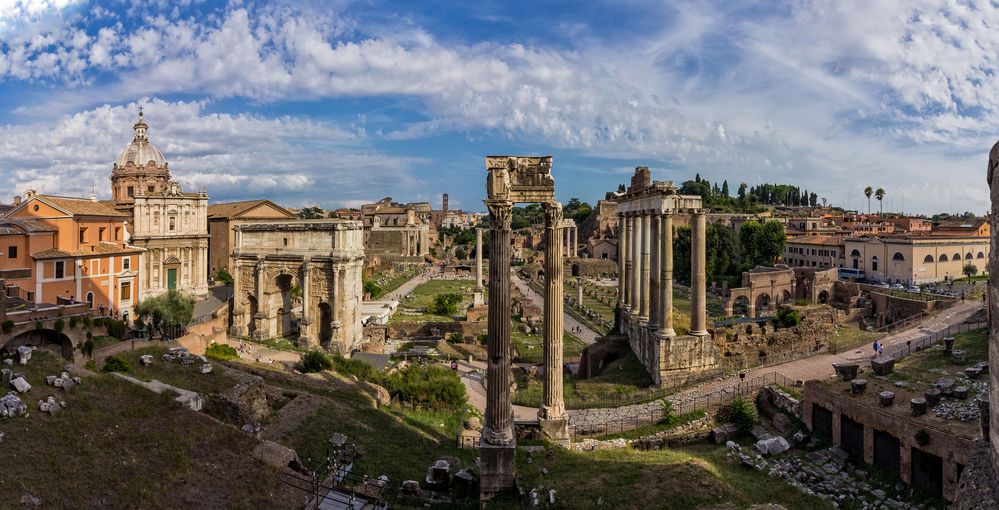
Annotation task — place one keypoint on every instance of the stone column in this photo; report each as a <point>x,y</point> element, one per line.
<point>305,334</point>
<point>698,279</point>
<point>636,266</point>
<point>258,318</point>
<point>497,446</point>
<point>579,290</point>
<point>655,271</point>
<point>624,263</point>
<point>666,281</point>
<point>477,297</point>
<point>551,415</point>
<point>575,242</point>
<point>646,266</point>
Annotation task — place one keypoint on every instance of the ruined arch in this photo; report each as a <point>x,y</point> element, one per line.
<point>251,322</point>
<point>762,302</point>
<point>785,296</point>
<point>325,324</point>
<point>824,297</point>
<point>45,338</point>
<point>740,305</point>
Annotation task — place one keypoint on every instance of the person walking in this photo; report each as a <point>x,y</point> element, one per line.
<point>881,350</point>
<point>877,347</point>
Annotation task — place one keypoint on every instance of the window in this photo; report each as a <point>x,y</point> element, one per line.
<point>12,252</point>
<point>898,256</point>
<point>130,191</point>
<point>957,256</point>
<point>943,257</point>
<point>928,258</point>
<point>126,291</point>
<point>980,255</point>
<point>117,233</point>
<point>60,269</point>
<point>35,208</point>
<point>855,253</point>
<point>173,222</point>
<point>286,241</point>
<point>126,263</point>
<point>100,233</point>
<point>83,235</point>
<point>968,256</point>
<point>150,189</point>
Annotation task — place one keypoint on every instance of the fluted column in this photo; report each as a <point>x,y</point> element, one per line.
<point>575,241</point>
<point>655,273</point>
<point>624,262</point>
<point>666,283</point>
<point>498,428</point>
<point>698,279</point>
<point>305,336</point>
<point>551,415</point>
<point>646,266</point>
<point>477,295</point>
<point>636,266</point>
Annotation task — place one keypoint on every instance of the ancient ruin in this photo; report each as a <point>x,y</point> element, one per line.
<point>511,180</point>
<point>763,288</point>
<point>299,279</point>
<point>645,285</point>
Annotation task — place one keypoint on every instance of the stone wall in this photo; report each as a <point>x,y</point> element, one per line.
<point>374,334</point>
<point>887,309</point>
<point>593,268</point>
<point>405,329</point>
<point>200,336</point>
<point>750,343</point>
<point>954,450</point>
<point>597,355</point>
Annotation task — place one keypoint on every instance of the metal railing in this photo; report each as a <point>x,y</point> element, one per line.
<point>898,352</point>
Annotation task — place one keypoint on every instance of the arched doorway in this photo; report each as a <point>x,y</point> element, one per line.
<point>740,306</point>
<point>284,283</point>
<point>47,339</point>
<point>785,296</point>
<point>824,297</point>
<point>325,324</point>
<point>762,302</point>
<point>251,321</point>
<point>90,300</point>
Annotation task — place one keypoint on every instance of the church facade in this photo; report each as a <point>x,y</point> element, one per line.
<point>171,225</point>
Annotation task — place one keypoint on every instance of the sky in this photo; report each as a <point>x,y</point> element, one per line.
<point>339,103</point>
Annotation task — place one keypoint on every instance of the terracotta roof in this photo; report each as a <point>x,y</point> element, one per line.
<point>104,248</point>
<point>23,226</point>
<point>234,209</point>
<point>818,240</point>
<point>81,206</point>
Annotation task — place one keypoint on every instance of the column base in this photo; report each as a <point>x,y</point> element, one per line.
<point>499,468</point>
<point>666,333</point>
<point>477,298</point>
<point>555,430</point>
<point>698,333</point>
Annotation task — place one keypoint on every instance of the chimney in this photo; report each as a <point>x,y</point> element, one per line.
<point>17,199</point>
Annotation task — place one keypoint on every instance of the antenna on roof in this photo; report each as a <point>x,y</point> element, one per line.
<point>93,191</point>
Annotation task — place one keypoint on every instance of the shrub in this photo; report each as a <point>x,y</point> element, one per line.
<point>430,385</point>
<point>113,327</point>
<point>445,304</point>
<point>59,325</point>
<point>741,412</point>
<point>88,323</point>
<point>224,276</point>
<point>87,348</point>
<point>356,368</point>
<point>315,361</point>
<point>372,288</point>
<point>787,317</point>
<point>7,326</point>
<point>74,321</point>
<point>667,409</point>
<point>90,365</point>
<point>39,325</point>
<point>456,337</point>
<point>221,352</point>
<point>116,364</point>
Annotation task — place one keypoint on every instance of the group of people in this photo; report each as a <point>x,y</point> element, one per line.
<point>577,329</point>
<point>879,349</point>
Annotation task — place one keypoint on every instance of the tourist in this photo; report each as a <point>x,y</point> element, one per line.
<point>881,350</point>
<point>876,347</point>
<point>454,365</point>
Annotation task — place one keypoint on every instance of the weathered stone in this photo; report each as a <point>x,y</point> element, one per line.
<point>20,384</point>
<point>24,354</point>
<point>972,372</point>
<point>801,437</point>
<point>68,384</point>
<point>959,356</point>
<point>932,396</point>
<point>772,446</point>
<point>858,386</point>
<point>3,435</point>
<point>883,366</point>
<point>50,380</point>
<point>9,362</point>
<point>918,406</point>
<point>724,433</point>
<point>204,369</point>
<point>846,371</point>
<point>960,392</point>
<point>885,398</point>
<point>439,475</point>
<point>57,382</point>
<point>147,359</point>
<point>411,488</point>
<point>473,423</point>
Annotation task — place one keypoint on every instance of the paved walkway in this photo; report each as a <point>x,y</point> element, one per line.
<point>406,288</point>
<point>587,335</point>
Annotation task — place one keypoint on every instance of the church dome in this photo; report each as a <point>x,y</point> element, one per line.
<point>140,152</point>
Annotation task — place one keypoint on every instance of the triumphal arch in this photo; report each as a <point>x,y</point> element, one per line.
<point>299,280</point>
<point>516,179</point>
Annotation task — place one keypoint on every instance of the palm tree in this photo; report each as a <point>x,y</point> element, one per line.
<point>880,195</point>
<point>868,191</point>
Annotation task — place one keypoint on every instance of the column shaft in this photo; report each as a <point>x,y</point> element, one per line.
<point>552,404</point>
<point>646,266</point>
<point>698,279</point>
<point>636,266</point>
<point>666,284</point>
<point>478,259</point>
<point>575,242</point>
<point>623,266</point>
<point>498,428</point>
<point>655,273</point>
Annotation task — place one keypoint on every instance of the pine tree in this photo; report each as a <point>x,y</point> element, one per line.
<point>725,188</point>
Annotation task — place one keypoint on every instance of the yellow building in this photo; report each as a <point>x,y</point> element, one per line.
<point>916,259</point>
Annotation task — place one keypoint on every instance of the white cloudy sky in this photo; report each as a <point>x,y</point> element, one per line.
<point>338,103</point>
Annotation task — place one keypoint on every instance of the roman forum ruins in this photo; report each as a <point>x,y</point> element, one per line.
<point>645,283</point>
<point>513,179</point>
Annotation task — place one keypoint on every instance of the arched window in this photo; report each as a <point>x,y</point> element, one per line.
<point>943,257</point>
<point>957,256</point>
<point>898,256</point>
<point>969,256</point>
<point>980,255</point>
<point>855,253</point>
<point>928,258</point>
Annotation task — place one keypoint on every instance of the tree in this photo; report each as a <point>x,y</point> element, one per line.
<point>742,191</point>
<point>823,201</point>
<point>868,192</point>
<point>813,199</point>
<point>880,195</point>
<point>761,244</point>
<point>166,311</point>
<point>311,213</point>
<point>970,270</point>
<point>445,304</point>
<point>224,276</point>
<point>724,190</point>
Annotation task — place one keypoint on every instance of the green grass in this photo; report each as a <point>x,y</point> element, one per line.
<point>102,341</point>
<point>529,347</point>
<point>278,344</point>
<point>423,297</point>
<point>696,476</point>
<point>927,365</point>
<point>655,428</point>
<point>173,373</point>
<point>623,380</point>
<point>118,445</point>
<point>395,281</point>
<point>849,336</point>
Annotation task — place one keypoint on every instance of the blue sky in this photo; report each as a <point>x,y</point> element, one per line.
<point>341,103</point>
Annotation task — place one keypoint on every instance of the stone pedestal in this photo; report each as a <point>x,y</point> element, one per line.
<point>498,469</point>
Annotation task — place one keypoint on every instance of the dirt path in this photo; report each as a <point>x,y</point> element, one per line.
<point>587,335</point>
<point>406,288</point>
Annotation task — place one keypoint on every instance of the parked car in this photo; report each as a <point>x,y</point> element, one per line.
<point>897,286</point>
<point>914,288</point>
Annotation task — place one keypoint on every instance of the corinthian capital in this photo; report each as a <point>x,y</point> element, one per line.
<point>500,213</point>
<point>553,214</point>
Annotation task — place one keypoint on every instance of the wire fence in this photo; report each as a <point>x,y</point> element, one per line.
<point>650,414</point>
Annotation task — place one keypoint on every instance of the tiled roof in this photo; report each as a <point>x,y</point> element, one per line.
<point>817,240</point>
<point>82,206</point>
<point>234,209</point>
<point>21,226</point>
<point>104,248</point>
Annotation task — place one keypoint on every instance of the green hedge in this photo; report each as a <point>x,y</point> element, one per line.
<point>221,352</point>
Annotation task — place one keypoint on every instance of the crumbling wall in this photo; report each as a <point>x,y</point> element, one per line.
<point>245,403</point>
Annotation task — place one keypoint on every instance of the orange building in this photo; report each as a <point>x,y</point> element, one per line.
<point>60,248</point>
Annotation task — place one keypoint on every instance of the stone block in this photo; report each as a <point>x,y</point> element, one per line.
<point>724,433</point>
<point>960,392</point>
<point>23,354</point>
<point>932,397</point>
<point>147,359</point>
<point>858,386</point>
<point>959,356</point>
<point>846,371</point>
<point>772,445</point>
<point>918,406</point>
<point>20,384</point>
<point>883,366</point>
<point>885,398</point>
<point>204,369</point>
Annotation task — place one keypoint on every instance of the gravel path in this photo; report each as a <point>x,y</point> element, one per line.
<point>587,335</point>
